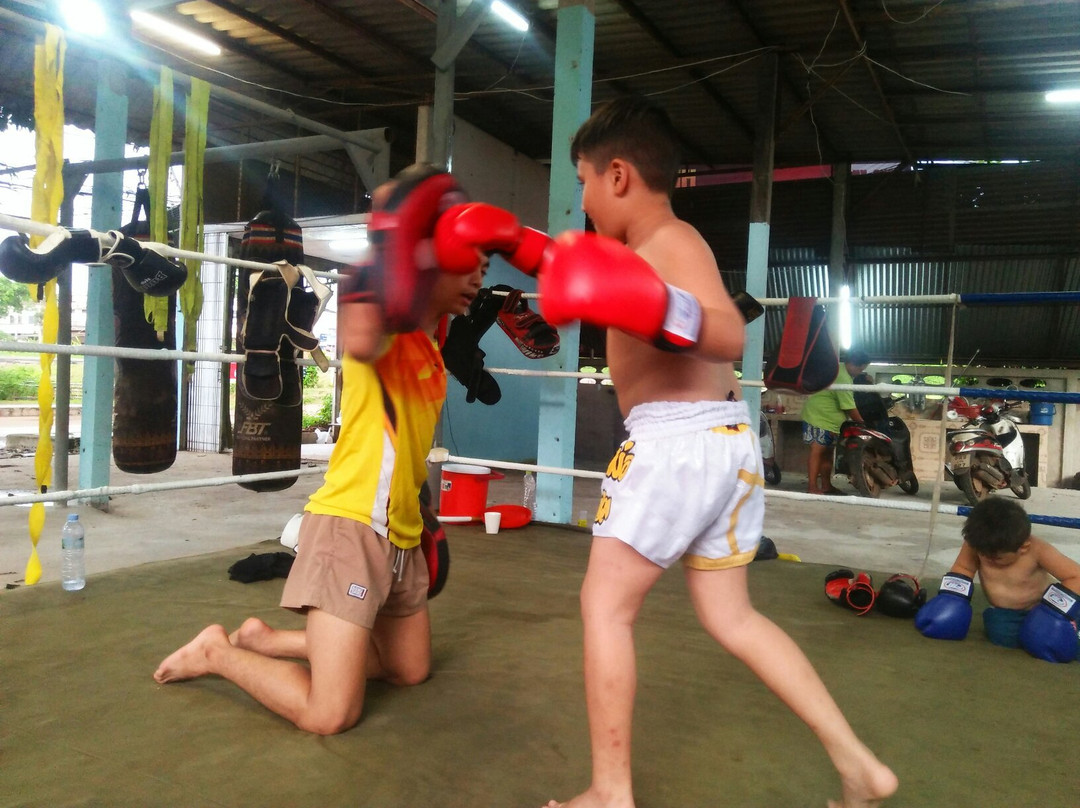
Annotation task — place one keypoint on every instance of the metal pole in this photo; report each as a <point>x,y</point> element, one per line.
<point>61,419</point>
<point>221,154</point>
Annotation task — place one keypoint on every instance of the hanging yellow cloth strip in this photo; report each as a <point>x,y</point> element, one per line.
<point>156,309</point>
<point>48,193</point>
<point>191,205</point>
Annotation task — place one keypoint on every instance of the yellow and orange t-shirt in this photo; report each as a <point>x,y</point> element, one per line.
<point>389,410</point>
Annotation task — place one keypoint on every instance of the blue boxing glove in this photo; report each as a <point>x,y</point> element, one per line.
<point>947,616</point>
<point>1049,630</point>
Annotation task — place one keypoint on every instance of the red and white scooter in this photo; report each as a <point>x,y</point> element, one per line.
<point>986,453</point>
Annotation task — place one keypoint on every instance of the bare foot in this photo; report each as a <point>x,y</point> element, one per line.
<point>252,635</point>
<point>190,661</point>
<point>868,787</point>
<point>591,800</point>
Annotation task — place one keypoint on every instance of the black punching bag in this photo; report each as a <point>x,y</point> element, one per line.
<point>267,431</point>
<point>145,392</point>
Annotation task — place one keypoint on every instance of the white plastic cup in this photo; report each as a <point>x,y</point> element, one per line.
<point>492,520</point>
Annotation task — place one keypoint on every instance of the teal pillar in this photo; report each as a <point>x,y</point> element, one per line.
<point>441,133</point>
<point>558,396</point>
<point>757,247</point>
<point>110,135</point>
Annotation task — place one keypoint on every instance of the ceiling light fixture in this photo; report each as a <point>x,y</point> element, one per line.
<point>510,16</point>
<point>1068,96</point>
<point>349,245</point>
<point>159,28</point>
<point>84,16</point>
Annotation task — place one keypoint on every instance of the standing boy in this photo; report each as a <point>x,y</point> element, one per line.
<point>823,413</point>
<point>687,482</point>
<point>359,576</point>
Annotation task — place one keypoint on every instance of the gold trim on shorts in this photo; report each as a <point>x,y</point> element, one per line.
<point>736,558</point>
<point>696,562</point>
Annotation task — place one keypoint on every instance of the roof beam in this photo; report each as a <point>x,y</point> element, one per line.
<point>287,35</point>
<point>857,35</point>
<point>373,38</point>
<point>647,25</point>
<point>792,86</point>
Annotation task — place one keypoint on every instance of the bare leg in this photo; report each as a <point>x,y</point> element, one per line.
<point>826,472</point>
<point>255,635</point>
<point>817,481</point>
<point>723,606</point>
<point>325,699</point>
<point>403,642</point>
<point>401,649</point>
<point>616,582</point>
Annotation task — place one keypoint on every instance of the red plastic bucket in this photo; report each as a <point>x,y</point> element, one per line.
<point>464,490</point>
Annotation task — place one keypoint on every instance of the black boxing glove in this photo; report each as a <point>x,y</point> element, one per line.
<point>900,596</point>
<point>147,271</point>
<point>23,264</point>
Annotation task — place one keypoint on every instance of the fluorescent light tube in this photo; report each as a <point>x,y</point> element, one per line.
<point>84,16</point>
<point>1068,96</point>
<point>159,28</point>
<point>510,16</point>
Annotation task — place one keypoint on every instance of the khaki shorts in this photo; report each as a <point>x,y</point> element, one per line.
<point>348,570</point>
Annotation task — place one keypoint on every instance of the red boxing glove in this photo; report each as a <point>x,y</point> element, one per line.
<point>466,231</point>
<point>603,282</point>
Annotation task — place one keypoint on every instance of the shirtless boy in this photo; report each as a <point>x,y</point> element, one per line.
<point>687,482</point>
<point>1017,572</point>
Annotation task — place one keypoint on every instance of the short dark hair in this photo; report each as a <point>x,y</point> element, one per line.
<point>857,357</point>
<point>997,525</point>
<point>636,130</point>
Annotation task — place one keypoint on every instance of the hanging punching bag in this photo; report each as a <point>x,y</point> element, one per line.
<point>145,392</point>
<point>268,418</point>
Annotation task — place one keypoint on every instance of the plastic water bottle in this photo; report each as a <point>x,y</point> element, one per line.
<point>72,566</point>
<point>529,497</point>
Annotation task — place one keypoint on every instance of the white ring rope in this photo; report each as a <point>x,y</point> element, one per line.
<point>139,353</point>
<point>229,358</point>
<point>439,455</point>
<point>146,488</point>
<point>32,228</point>
<point>502,464</point>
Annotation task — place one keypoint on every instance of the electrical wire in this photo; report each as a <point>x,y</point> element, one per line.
<point>909,22</point>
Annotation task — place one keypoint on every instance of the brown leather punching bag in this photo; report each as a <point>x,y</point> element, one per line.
<point>267,430</point>
<point>145,392</point>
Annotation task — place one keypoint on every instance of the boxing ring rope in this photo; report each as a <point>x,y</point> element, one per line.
<point>28,226</point>
<point>440,455</point>
<point>32,228</point>
<point>227,358</point>
<point>116,352</point>
<point>964,299</point>
<point>146,488</point>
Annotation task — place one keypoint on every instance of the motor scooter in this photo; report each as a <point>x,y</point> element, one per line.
<point>875,460</point>
<point>987,452</point>
<point>768,452</point>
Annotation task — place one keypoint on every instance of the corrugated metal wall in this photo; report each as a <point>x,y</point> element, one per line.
<point>938,230</point>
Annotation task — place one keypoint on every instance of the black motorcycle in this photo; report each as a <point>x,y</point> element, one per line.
<point>876,459</point>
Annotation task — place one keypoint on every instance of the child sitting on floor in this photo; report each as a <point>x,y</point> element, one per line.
<point>1017,572</point>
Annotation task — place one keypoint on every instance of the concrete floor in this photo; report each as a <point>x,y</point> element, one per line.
<point>174,524</point>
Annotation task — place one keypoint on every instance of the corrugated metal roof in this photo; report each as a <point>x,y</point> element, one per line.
<point>859,81</point>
